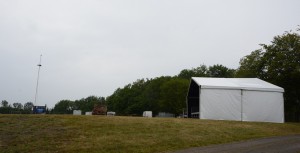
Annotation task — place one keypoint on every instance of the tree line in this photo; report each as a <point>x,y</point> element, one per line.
<point>62,107</point>
<point>83,104</point>
<point>15,108</point>
<point>277,62</point>
<point>161,94</point>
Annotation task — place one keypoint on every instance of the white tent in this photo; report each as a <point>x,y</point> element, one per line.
<point>240,99</point>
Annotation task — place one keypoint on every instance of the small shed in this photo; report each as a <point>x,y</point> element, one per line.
<point>88,113</point>
<point>240,99</point>
<point>76,112</point>
<point>110,113</point>
<point>147,114</point>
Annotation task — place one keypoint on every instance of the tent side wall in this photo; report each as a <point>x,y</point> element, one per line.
<point>263,106</point>
<point>220,104</point>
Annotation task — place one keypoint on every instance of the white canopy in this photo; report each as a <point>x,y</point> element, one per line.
<point>241,99</point>
<point>236,83</point>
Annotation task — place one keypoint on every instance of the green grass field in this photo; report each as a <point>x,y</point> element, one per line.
<point>67,133</point>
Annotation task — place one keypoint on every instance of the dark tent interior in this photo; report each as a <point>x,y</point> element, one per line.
<point>193,100</point>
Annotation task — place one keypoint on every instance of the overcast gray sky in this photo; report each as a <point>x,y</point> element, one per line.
<point>92,47</point>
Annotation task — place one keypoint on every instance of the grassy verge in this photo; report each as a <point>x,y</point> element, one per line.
<point>66,133</point>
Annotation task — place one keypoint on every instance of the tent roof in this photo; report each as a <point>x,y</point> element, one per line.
<point>236,83</point>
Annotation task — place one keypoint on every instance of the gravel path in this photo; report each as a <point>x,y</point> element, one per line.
<point>282,144</point>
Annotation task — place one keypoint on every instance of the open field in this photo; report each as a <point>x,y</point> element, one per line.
<point>67,133</point>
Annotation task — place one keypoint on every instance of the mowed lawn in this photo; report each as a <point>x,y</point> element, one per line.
<point>67,133</point>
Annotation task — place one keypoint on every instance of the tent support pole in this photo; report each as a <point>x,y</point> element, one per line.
<point>199,103</point>
<point>241,104</point>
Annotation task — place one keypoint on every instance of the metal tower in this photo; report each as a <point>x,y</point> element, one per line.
<point>37,82</point>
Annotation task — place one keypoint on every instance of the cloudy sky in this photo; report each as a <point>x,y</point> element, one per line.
<point>92,47</point>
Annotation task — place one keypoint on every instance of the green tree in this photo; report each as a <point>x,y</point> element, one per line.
<point>87,104</point>
<point>128,100</point>
<point>174,95</point>
<point>4,103</point>
<point>220,71</point>
<point>141,95</point>
<point>28,107</point>
<point>84,104</point>
<point>64,107</point>
<point>18,106</point>
<point>201,71</point>
<point>250,65</point>
<point>281,66</point>
<point>6,108</point>
<point>153,94</point>
<point>278,63</point>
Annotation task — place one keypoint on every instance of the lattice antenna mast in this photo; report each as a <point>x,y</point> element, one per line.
<point>37,82</point>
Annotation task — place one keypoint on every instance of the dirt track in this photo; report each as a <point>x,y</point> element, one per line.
<point>282,144</point>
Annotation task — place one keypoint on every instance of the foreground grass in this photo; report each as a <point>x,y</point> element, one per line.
<point>66,133</point>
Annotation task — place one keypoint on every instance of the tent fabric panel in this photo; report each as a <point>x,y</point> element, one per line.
<point>256,84</point>
<point>236,83</point>
<point>263,106</point>
<point>215,82</point>
<point>219,104</point>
